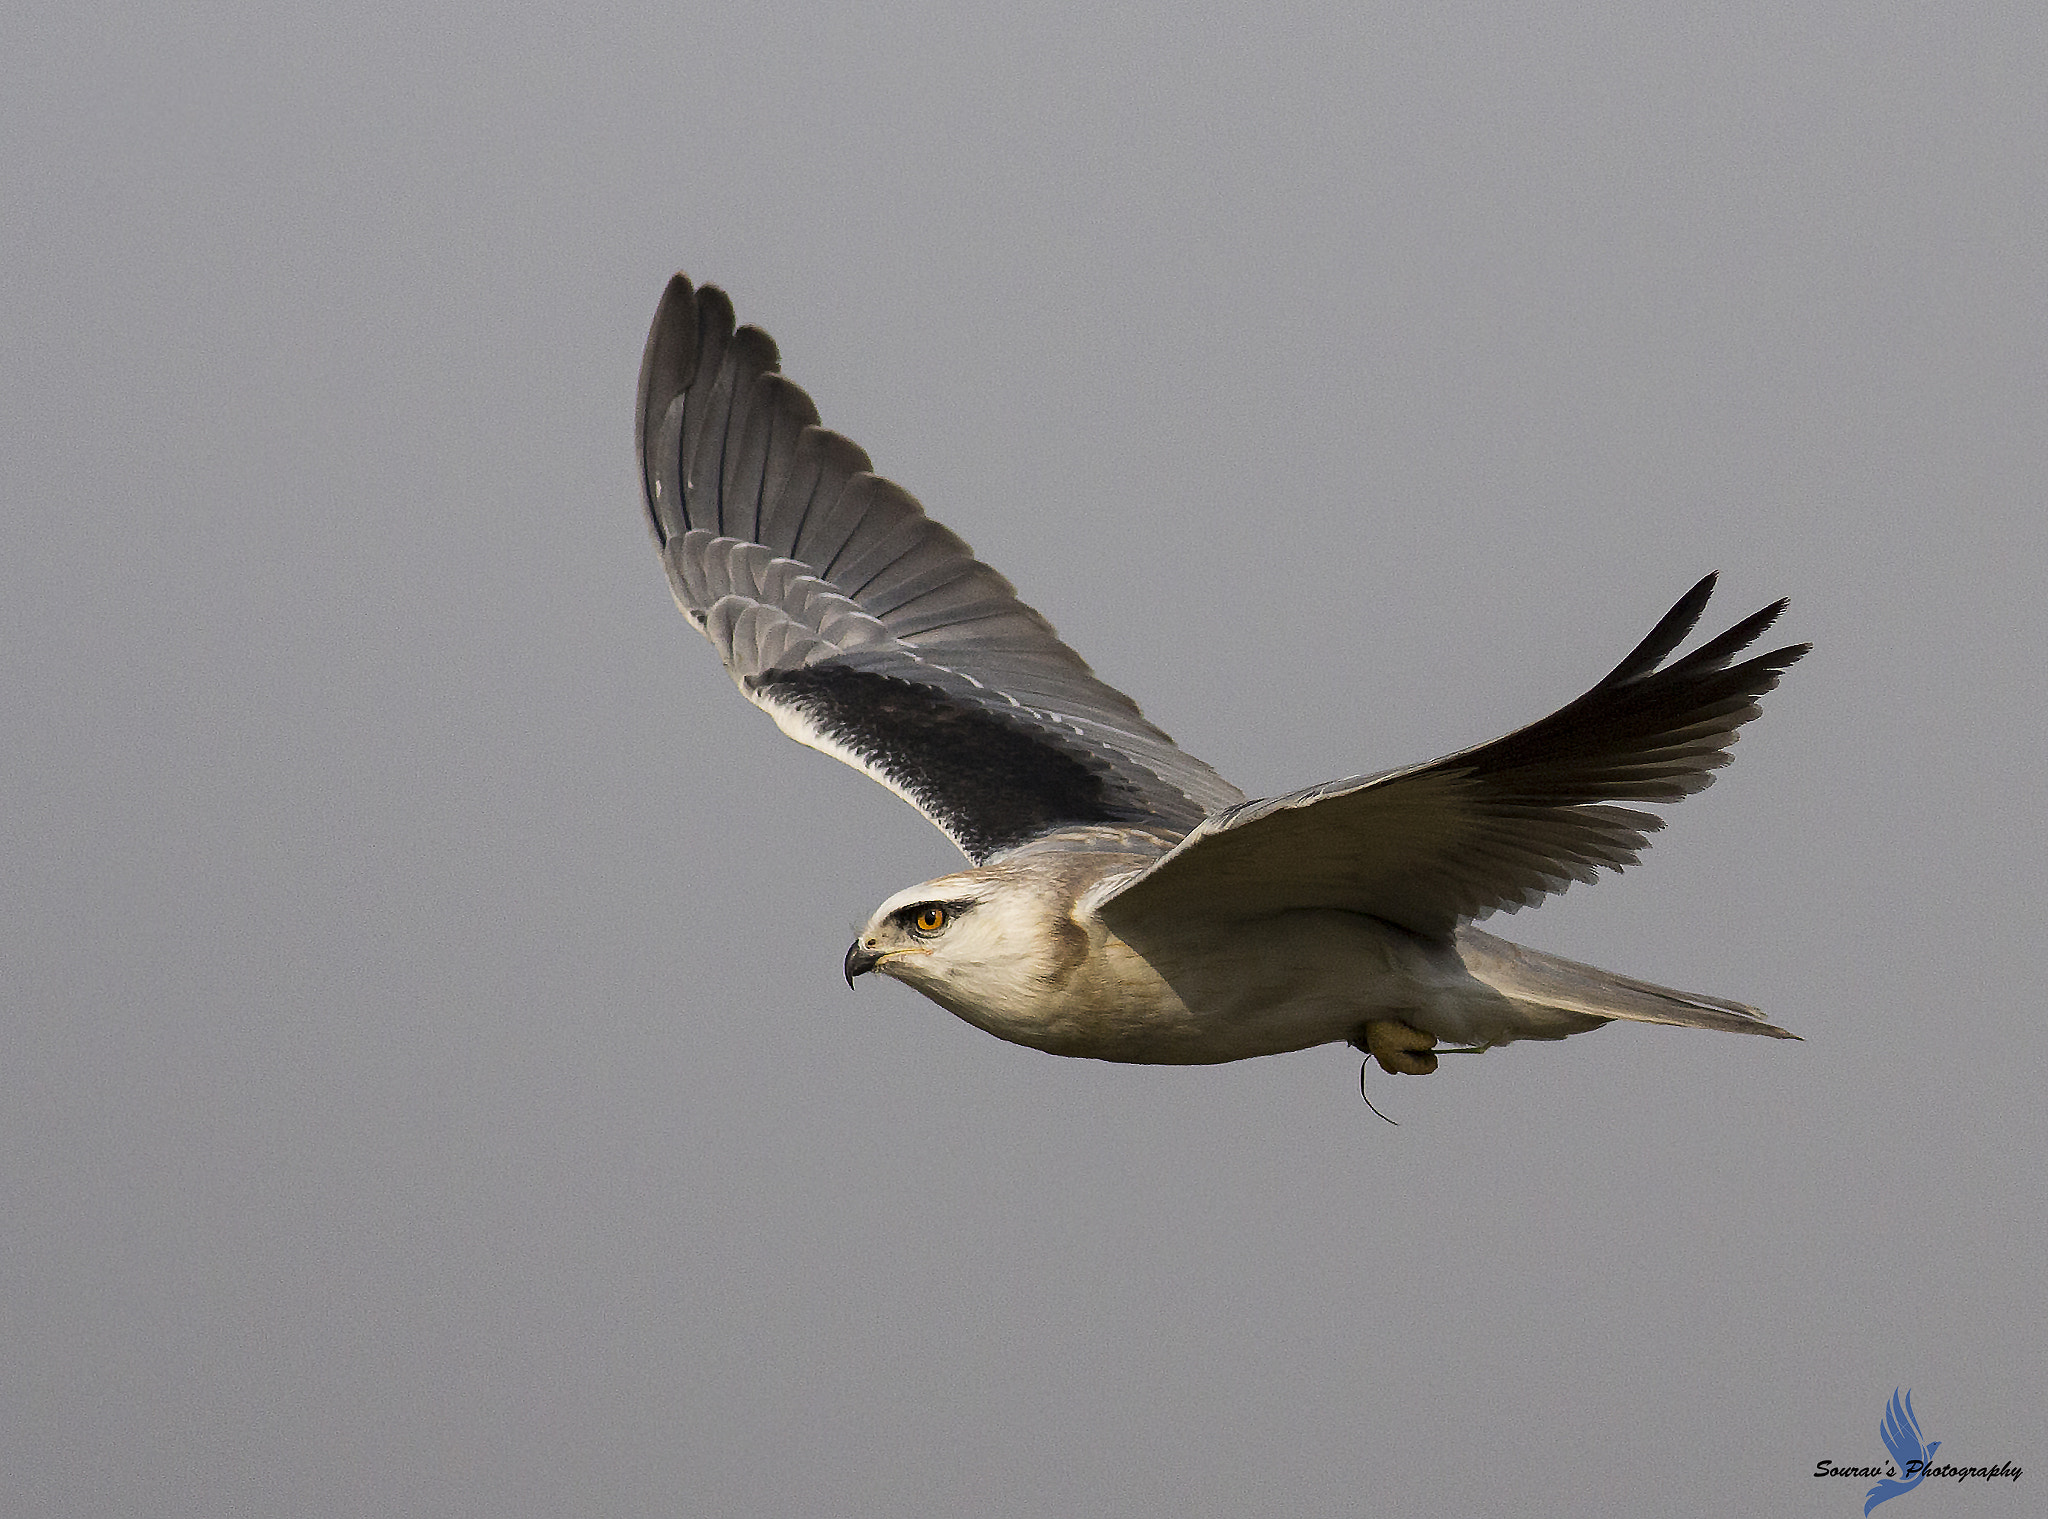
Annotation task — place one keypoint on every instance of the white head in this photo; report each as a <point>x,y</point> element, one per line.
<point>991,945</point>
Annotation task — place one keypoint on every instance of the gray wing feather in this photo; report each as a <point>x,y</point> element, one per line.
<point>1495,827</point>
<point>866,629</point>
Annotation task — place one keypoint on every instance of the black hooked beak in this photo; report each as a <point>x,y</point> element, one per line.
<point>859,961</point>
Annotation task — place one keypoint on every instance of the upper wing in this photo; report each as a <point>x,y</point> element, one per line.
<point>1494,827</point>
<point>864,628</point>
<point>1901,1432</point>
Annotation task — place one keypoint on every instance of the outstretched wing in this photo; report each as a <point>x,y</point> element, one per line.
<point>1901,1432</point>
<point>1499,826</point>
<point>1909,1450</point>
<point>864,628</point>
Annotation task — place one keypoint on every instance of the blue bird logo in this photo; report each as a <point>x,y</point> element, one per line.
<point>1902,1438</point>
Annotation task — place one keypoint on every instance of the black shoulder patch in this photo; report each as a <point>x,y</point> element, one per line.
<point>991,780</point>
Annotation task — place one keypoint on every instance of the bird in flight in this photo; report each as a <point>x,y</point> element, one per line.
<point>1125,902</point>
<point>1909,1449</point>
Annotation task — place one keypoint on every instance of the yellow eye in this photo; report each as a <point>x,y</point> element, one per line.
<point>930,919</point>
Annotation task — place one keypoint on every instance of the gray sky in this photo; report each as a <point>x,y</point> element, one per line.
<point>427,1086</point>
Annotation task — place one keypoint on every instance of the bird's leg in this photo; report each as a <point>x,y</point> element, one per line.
<point>1400,1049</point>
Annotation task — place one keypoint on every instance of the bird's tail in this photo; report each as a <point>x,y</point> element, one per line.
<point>1529,975</point>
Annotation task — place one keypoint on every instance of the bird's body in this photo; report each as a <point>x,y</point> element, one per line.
<point>1031,959</point>
<point>1126,903</point>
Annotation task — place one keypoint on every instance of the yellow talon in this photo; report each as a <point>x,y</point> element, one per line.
<point>1400,1050</point>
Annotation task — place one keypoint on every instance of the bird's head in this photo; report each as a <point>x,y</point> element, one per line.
<point>981,941</point>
